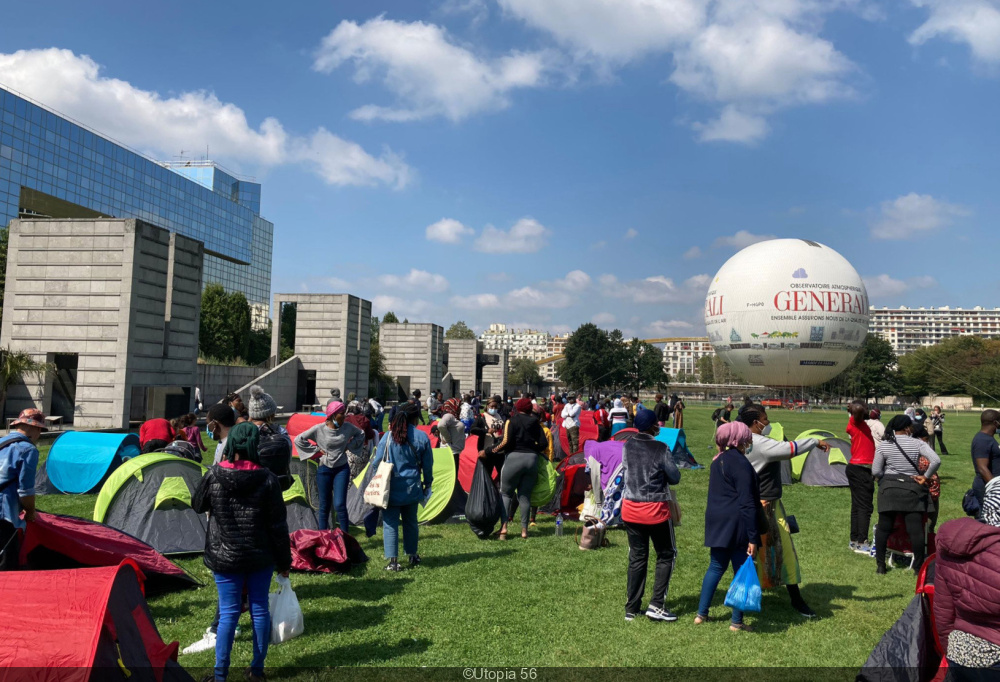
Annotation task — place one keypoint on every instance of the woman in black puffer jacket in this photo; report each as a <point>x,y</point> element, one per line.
<point>247,541</point>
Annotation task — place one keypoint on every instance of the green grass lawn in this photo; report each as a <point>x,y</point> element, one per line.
<point>543,602</point>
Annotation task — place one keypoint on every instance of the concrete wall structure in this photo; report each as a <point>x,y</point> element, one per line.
<point>461,364</point>
<point>414,354</point>
<point>123,297</point>
<point>332,337</point>
<point>495,376</point>
<point>282,383</point>
<point>216,381</point>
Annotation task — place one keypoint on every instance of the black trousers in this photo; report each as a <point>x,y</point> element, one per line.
<point>639,535</point>
<point>862,485</point>
<point>914,528</point>
<point>939,437</point>
<point>10,546</point>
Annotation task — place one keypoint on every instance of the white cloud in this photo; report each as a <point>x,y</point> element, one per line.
<point>603,319</point>
<point>692,253</point>
<point>574,281</point>
<point>749,58</point>
<point>498,276</point>
<point>477,10</point>
<point>530,297</point>
<point>475,301</point>
<point>403,307</point>
<point>163,126</point>
<point>337,284</point>
<point>429,73</point>
<point>912,213</point>
<point>448,231</point>
<point>656,289</point>
<point>527,235</point>
<point>667,328</point>
<point>973,22</point>
<point>598,246</point>
<point>741,240</point>
<point>420,280</point>
<point>631,233</point>
<point>884,286</point>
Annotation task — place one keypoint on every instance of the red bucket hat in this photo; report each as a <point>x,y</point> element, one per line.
<point>31,417</point>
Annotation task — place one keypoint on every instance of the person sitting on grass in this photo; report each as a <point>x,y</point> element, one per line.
<point>247,541</point>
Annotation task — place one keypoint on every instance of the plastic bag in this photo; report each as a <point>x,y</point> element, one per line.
<point>286,614</point>
<point>482,509</point>
<point>744,592</point>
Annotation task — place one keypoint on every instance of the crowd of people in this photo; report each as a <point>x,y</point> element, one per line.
<point>745,518</point>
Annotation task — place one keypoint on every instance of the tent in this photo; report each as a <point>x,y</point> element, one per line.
<point>299,513</point>
<point>149,497</point>
<point>53,541</point>
<point>83,624</point>
<point>79,462</point>
<point>298,423</point>
<point>608,454</point>
<point>588,430</point>
<point>823,468</point>
<point>677,442</point>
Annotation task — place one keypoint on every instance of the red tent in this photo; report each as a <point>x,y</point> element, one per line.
<point>467,463</point>
<point>435,440</point>
<point>300,422</point>
<point>83,624</point>
<point>588,430</point>
<point>53,541</point>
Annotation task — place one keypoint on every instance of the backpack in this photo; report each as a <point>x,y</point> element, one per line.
<point>183,448</point>
<point>614,493</point>
<point>369,411</point>
<point>717,414</point>
<point>275,452</point>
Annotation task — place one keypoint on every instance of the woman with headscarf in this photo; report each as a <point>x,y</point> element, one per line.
<point>522,443</point>
<point>247,541</point>
<point>618,416</point>
<point>731,531</point>
<point>331,440</point>
<point>450,429</point>
<point>966,598</point>
<point>677,407</point>
<point>408,449</point>
<point>903,487</point>
<point>549,453</point>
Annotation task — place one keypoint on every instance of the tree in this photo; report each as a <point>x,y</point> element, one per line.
<point>523,372</point>
<point>224,332</point>
<point>706,370</point>
<point>377,374</point>
<point>260,345</point>
<point>643,366</point>
<point>286,330</point>
<point>239,323</point>
<point>967,365</point>
<point>872,374</point>
<point>459,330</point>
<point>681,378</point>
<point>15,365</point>
<point>389,317</point>
<point>588,359</point>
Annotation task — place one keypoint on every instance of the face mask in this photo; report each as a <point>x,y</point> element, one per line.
<point>493,411</point>
<point>749,449</point>
<point>766,430</point>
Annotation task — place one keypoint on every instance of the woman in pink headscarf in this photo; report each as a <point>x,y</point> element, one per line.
<point>731,529</point>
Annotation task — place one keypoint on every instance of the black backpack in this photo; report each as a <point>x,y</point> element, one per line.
<point>717,414</point>
<point>275,452</point>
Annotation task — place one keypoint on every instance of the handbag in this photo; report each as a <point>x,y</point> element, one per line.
<point>675,508</point>
<point>591,534</point>
<point>970,503</point>
<point>377,491</point>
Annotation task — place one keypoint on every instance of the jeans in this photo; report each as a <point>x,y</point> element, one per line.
<point>332,484</point>
<point>391,517</point>
<point>862,485</point>
<point>639,535</point>
<point>914,528</point>
<point>939,437</point>
<point>230,586</point>
<point>720,558</point>
<point>573,438</point>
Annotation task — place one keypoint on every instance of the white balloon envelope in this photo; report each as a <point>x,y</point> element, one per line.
<point>787,313</point>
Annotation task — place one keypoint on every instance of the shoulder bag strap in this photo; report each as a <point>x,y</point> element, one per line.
<point>908,459</point>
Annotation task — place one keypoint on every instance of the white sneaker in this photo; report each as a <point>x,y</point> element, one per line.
<point>206,643</point>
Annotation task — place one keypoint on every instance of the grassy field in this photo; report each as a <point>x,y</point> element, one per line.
<point>542,602</point>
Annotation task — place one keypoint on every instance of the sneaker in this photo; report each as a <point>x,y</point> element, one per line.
<point>881,570</point>
<point>654,613</point>
<point>206,643</point>
<point>532,525</point>
<point>414,561</point>
<point>863,548</point>
<point>804,610</point>
<point>629,617</point>
<point>394,567</point>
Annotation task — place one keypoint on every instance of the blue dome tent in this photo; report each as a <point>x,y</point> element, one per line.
<point>79,462</point>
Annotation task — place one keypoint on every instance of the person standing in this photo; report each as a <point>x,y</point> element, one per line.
<point>433,405</point>
<point>239,409</point>
<point>571,423</point>
<point>985,452</point>
<point>731,531</point>
<point>450,429</point>
<point>661,410</point>
<point>408,449</point>
<point>199,406</point>
<point>965,591</point>
<point>247,541</point>
<point>874,422</point>
<point>377,412</point>
<point>725,414</point>
<point>333,438</point>
<point>859,476</point>
<point>219,421</point>
<point>18,464</point>
<point>603,420</point>
<point>522,443</point>
<point>903,488</point>
<point>649,470</point>
<point>192,434</point>
<point>677,407</point>
<point>937,434</point>
<point>777,561</point>
<point>619,417</point>
<point>274,448</point>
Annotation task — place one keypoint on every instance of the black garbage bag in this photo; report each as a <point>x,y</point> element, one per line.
<point>482,508</point>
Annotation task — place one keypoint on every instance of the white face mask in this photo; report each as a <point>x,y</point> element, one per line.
<point>766,430</point>
<point>749,449</point>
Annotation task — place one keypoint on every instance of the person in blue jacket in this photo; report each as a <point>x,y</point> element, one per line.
<point>409,451</point>
<point>731,531</point>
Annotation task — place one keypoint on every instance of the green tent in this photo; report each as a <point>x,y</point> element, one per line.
<point>819,468</point>
<point>444,488</point>
<point>299,514</point>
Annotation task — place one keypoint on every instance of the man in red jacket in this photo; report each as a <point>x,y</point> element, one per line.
<point>155,434</point>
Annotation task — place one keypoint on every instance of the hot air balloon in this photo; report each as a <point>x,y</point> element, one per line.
<point>787,313</point>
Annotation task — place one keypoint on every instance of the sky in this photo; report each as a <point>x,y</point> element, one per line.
<point>547,163</point>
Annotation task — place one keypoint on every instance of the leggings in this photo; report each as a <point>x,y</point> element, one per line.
<point>939,437</point>
<point>332,484</point>
<point>914,528</point>
<point>520,471</point>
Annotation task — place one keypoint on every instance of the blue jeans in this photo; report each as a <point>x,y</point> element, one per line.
<point>721,557</point>
<point>332,485</point>
<point>390,529</point>
<point>230,586</point>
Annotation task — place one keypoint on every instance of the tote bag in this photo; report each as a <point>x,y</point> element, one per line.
<point>377,492</point>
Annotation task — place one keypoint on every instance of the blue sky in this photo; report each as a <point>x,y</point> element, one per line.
<point>554,162</point>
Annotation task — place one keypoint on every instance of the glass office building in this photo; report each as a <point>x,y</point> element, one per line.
<point>51,166</point>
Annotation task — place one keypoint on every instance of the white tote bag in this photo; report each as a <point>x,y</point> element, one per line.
<point>286,614</point>
<point>377,492</point>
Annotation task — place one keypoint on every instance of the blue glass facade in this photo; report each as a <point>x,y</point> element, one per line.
<point>52,166</point>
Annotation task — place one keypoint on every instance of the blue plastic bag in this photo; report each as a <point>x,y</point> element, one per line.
<point>744,592</point>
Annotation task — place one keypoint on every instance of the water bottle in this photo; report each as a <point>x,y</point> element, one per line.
<point>559,527</point>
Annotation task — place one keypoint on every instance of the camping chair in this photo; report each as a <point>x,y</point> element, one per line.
<point>898,544</point>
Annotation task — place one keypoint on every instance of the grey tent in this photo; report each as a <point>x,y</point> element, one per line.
<point>906,651</point>
<point>299,513</point>
<point>149,497</point>
<point>818,468</point>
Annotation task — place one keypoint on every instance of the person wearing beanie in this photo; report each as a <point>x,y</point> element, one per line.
<point>262,406</point>
<point>247,541</point>
<point>329,441</point>
<point>649,470</point>
<point>275,447</point>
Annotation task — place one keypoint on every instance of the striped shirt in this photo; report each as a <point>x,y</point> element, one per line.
<point>889,460</point>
